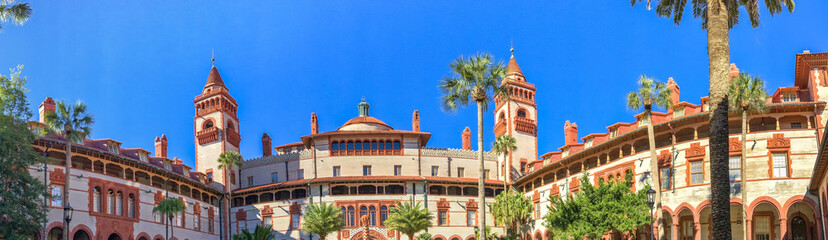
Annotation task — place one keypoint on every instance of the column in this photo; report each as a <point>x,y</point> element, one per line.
<point>749,233</point>
<point>696,230</point>
<point>675,229</point>
<point>695,133</point>
<point>783,225</point>
<point>777,123</point>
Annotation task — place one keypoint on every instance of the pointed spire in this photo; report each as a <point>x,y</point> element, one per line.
<point>513,67</point>
<point>214,79</point>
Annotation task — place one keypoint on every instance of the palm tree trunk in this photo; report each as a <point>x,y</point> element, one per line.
<point>480,183</point>
<point>718,52</point>
<point>167,228</point>
<point>229,202</point>
<point>68,166</point>
<point>742,172</point>
<point>506,169</point>
<point>654,173</point>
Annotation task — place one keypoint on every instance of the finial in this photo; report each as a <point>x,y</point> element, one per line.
<point>512,47</point>
<point>213,59</point>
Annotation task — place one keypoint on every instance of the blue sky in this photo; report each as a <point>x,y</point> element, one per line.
<point>139,64</point>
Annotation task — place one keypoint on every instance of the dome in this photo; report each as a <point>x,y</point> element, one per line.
<point>364,124</point>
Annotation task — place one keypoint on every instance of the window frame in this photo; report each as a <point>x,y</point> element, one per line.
<point>366,170</point>
<point>690,172</point>
<point>772,166</point>
<point>337,171</point>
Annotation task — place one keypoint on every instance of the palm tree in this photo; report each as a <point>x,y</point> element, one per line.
<point>514,211</point>
<point>227,161</point>
<point>408,218</point>
<point>73,123</point>
<point>169,207</point>
<point>718,16</point>
<point>748,94</point>
<point>475,78</point>
<point>260,233</point>
<point>17,12</point>
<point>651,92</point>
<point>503,145</point>
<point>323,219</point>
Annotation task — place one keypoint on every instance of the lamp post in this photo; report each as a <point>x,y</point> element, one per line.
<point>46,178</point>
<point>650,202</point>
<point>68,211</point>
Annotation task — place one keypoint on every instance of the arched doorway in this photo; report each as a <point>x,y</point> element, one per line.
<point>372,235</point>
<point>114,236</point>
<point>142,238</point>
<point>81,235</point>
<point>55,234</point>
<point>799,228</point>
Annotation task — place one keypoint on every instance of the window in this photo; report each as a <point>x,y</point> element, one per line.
<point>358,145</point>
<point>614,132</point>
<point>167,166</point>
<point>441,218</point>
<point>143,156</point>
<point>461,172</point>
<point>274,177</point>
<point>383,214</point>
<point>796,125</point>
<point>735,163</point>
<point>209,177</point>
<point>471,218</point>
<point>249,181</point>
<point>666,176</point>
<point>113,147</point>
<point>523,167</point>
<point>131,206</point>
<point>351,214</point>
<point>789,97</point>
<point>397,170</point>
<point>397,145</point>
<point>696,172</point>
<point>434,170</point>
<point>366,170</point>
<point>521,113</point>
<point>267,221</point>
<point>372,213</point>
<point>381,145</point>
<point>780,164</point>
<point>158,218</point>
<point>537,210</point>
<point>643,122</point>
<point>486,174</point>
<point>210,225</point>
<point>119,204</point>
<point>111,202</point>
<point>350,145</point>
<point>232,177</point>
<point>762,227</point>
<point>96,199</point>
<point>336,171</point>
<point>179,219</point>
<point>678,112</point>
<point>300,174</point>
<point>196,222</point>
<point>57,196</point>
<point>588,143</point>
<point>334,147</point>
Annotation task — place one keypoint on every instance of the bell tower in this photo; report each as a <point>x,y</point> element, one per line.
<point>517,117</point>
<point>216,128</point>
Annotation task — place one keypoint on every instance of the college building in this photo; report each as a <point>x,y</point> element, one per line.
<point>366,166</point>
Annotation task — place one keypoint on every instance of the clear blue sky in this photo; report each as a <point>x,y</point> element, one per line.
<point>139,64</point>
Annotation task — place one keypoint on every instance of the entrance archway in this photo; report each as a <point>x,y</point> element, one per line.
<point>55,234</point>
<point>80,235</point>
<point>799,228</point>
<point>114,236</point>
<point>372,235</point>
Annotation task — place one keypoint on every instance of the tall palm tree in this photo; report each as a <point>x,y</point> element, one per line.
<point>260,233</point>
<point>651,92</point>
<point>477,78</point>
<point>323,219</point>
<point>748,94</point>
<point>514,211</point>
<point>718,16</point>
<point>227,161</point>
<point>74,124</point>
<point>168,208</point>
<point>14,11</point>
<point>408,218</point>
<point>503,145</point>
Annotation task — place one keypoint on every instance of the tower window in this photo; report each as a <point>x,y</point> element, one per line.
<point>521,113</point>
<point>502,116</point>
<point>208,124</point>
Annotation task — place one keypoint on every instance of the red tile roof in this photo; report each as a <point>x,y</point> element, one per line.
<point>513,67</point>
<point>214,78</point>
<point>357,120</point>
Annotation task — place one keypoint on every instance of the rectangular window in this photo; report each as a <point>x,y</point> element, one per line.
<point>434,170</point>
<point>780,164</point>
<point>485,173</point>
<point>471,218</point>
<point>678,112</point>
<point>665,178</point>
<point>442,218</point>
<point>249,181</point>
<point>397,170</point>
<point>696,172</point>
<point>295,221</point>
<point>210,225</point>
<point>762,227</point>
<point>643,122</point>
<point>179,219</point>
<point>796,125</point>
<point>57,196</point>
<point>366,170</point>
<point>267,221</point>
<point>523,167</point>
<point>735,163</point>
<point>196,222</point>
<point>274,177</point>
<point>210,177</point>
<point>300,174</point>
<point>537,210</point>
<point>113,148</point>
<point>789,97</point>
<point>614,133</point>
<point>461,172</point>
<point>167,166</point>
<point>142,156</point>
<point>337,171</point>
<point>588,143</point>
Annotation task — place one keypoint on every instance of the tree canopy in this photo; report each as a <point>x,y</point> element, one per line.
<point>513,210</point>
<point>323,219</point>
<point>409,218</point>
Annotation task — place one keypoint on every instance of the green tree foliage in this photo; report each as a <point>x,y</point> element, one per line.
<point>169,208</point>
<point>513,210</point>
<point>227,161</point>
<point>409,218</point>
<point>260,233</point>
<point>11,10</point>
<point>596,210</point>
<point>22,207</point>
<point>322,219</point>
<point>424,236</point>
<point>503,145</point>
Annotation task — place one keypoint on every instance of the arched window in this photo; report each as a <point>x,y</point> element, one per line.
<point>372,214</point>
<point>388,145</point>
<point>131,206</point>
<point>350,145</point>
<point>358,145</point>
<point>396,145</point>
<point>366,145</point>
<point>96,199</point>
<point>383,214</point>
<point>363,211</point>
<point>111,202</point>
<point>230,126</point>
<point>341,145</point>
<point>208,124</point>
<point>381,145</point>
<point>345,216</point>
<point>374,145</point>
<point>334,147</point>
<point>502,116</point>
<point>351,214</point>
<point>521,113</point>
<point>119,203</point>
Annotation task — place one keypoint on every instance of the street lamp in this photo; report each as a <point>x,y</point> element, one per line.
<point>650,202</point>
<point>476,230</point>
<point>68,211</point>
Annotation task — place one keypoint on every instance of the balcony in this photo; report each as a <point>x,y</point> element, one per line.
<point>500,128</point>
<point>233,137</point>
<point>207,135</point>
<point>524,125</point>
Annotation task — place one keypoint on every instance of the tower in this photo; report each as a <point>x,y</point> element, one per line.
<point>216,128</point>
<point>517,117</point>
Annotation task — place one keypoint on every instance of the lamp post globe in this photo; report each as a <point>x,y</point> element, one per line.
<point>68,211</point>
<point>650,197</point>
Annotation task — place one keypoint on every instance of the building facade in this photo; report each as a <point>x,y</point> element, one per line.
<point>365,167</point>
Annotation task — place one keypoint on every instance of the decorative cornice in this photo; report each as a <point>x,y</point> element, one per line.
<point>695,151</point>
<point>778,141</point>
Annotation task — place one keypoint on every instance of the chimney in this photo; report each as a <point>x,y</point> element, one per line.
<point>415,121</point>
<point>267,146</point>
<point>314,124</point>
<point>177,161</point>
<point>161,146</point>
<point>674,91</point>
<point>570,133</point>
<point>734,71</point>
<point>466,139</point>
<point>47,106</point>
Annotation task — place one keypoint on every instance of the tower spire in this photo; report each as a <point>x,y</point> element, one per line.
<point>213,58</point>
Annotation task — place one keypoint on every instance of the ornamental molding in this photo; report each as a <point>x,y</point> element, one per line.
<point>291,156</point>
<point>695,151</point>
<point>734,145</point>
<point>442,204</point>
<point>664,158</point>
<point>267,211</point>
<point>471,205</point>
<point>57,177</point>
<point>778,141</point>
<point>295,208</point>
<point>241,215</point>
<point>555,191</point>
<point>460,153</point>
<point>158,197</point>
<point>574,183</point>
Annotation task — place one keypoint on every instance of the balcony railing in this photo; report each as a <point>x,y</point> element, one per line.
<point>233,137</point>
<point>207,135</point>
<point>525,125</point>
